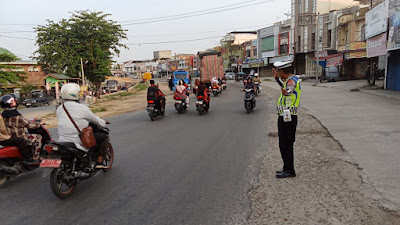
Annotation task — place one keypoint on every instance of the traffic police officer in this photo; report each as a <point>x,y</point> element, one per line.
<point>287,106</point>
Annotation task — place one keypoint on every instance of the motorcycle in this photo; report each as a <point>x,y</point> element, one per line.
<point>224,85</point>
<point>215,90</point>
<point>201,105</point>
<point>68,165</point>
<point>249,100</point>
<point>153,111</point>
<point>180,104</point>
<point>11,160</point>
<point>257,84</point>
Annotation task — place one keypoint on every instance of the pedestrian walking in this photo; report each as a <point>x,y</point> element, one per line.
<point>287,105</point>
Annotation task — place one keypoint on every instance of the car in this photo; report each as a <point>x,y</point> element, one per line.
<point>37,98</point>
<point>230,75</point>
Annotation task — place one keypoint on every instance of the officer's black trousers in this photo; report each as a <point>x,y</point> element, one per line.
<point>287,134</point>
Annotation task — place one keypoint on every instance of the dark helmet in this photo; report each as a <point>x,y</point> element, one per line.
<point>9,101</point>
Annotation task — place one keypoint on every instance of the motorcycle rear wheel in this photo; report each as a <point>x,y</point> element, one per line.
<point>109,159</point>
<point>3,179</point>
<point>57,180</point>
<point>151,116</point>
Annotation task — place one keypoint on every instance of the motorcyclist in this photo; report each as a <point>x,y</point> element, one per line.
<point>154,93</point>
<point>82,115</point>
<point>181,92</point>
<point>7,140</point>
<point>257,79</point>
<point>250,85</point>
<point>17,124</point>
<point>204,92</point>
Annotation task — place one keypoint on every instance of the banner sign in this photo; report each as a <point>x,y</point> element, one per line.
<point>334,61</point>
<point>376,46</point>
<point>394,32</point>
<point>376,20</point>
<point>281,58</point>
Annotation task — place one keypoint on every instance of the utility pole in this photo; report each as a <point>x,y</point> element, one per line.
<point>317,48</point>
<point>83,74</point>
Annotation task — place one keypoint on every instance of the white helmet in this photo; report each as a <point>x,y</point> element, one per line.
<point>71,91</point>
<point>256,74</point>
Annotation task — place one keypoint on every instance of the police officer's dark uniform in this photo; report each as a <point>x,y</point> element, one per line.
<point>287,122</point>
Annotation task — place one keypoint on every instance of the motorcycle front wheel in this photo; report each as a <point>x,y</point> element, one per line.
<point>61,186</point>
<point>109,159</point>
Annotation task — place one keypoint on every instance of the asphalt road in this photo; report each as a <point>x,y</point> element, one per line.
<point>180,169</point>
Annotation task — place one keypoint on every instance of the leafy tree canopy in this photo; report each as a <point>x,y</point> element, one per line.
<point>7,75</point>
<point>87,35</point>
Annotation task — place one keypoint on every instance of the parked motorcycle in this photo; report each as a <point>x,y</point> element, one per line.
<point>180,104</point>
<point>69,165</point>
<point>201,105</point>
<point>11,160</point>
<point>257,84</point>
<point>153,111</point>
<point>249,100</point>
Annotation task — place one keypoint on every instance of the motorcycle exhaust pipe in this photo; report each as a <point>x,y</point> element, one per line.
<point>8,169</point>
<point>80,175</point>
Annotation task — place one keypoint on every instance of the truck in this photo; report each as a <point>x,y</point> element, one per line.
<point>37,98</point>
<point>211,65</point>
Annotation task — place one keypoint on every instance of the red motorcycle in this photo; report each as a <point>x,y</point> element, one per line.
<point>11,161</point>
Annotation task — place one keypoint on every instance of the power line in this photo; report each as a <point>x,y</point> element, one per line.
<point>205,32</point>
<point>175,41</point>
<point>17,37</point>
<point>189,13</point>
<point>199,14</point>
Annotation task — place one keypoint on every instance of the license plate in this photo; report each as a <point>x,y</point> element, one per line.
<point>200,103</point>
<point>53,163</point>
<point>28,103</point>
<point>178,102</point>
<point>150,108</point>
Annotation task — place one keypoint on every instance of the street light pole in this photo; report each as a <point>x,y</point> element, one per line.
<point>317,48</point>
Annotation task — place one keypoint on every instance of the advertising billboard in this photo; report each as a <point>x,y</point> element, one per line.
<point>376,20</point>
<point>394,32</point>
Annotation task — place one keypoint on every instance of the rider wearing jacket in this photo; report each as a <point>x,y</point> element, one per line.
<point>155,94</point>
<point>181,92</point>
<point>203,91</point>
<point>7,140</point>
<point>17,124</point>
<point>82,115</point>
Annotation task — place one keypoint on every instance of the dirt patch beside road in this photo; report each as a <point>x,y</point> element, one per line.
<point>327,190</point>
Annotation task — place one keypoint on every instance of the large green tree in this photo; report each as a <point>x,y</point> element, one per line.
<point>89,36</point>
<point>7,72</point>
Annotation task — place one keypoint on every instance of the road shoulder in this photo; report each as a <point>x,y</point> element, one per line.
<point>329,188</point>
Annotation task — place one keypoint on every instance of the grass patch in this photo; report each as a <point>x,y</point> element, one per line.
<point>112,98</point>
<point>141,87</point>
<point>123,94</point>
<point>96,110</point>
<point>267,79</point>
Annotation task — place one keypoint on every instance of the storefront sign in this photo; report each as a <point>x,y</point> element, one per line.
<point>268,54</point>
<point>376,20</point>
<point>376,46</point>
<point>394,32</point>
<point>358,45</point>
<point>356,55</point>
<point>281,58</point>
<point>334,61</point>
<point>322,54</point>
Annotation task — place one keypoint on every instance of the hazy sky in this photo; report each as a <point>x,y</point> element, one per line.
<point>30,12</point>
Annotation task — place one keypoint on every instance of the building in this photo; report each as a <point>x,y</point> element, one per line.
<point>233,49</point>
<point>165,54</point>
<point>137,68</point>
<point>304,35</point>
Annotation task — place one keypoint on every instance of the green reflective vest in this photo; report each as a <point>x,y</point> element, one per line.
<point>292,101</point>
